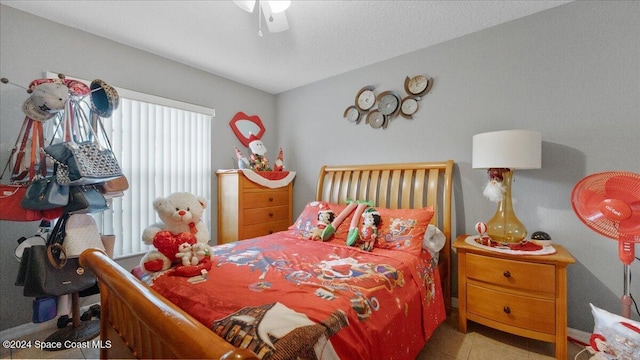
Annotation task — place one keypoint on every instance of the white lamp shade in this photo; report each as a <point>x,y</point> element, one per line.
<point>512,149</point>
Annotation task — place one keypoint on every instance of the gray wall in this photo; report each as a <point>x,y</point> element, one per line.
<point>30,45</point>
<point>571,72</point>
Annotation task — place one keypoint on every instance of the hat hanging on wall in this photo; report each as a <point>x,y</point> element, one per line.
<point>45,101</point>
<point>104,98</point>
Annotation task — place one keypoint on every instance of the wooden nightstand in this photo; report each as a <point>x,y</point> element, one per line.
<point>521,294</point>
<point>247,210</point>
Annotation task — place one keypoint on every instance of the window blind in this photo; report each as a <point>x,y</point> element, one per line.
<point>163,146</point>
<point>161,150</point>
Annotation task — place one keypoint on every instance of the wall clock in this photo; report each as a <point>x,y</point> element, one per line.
<point>376,119</point>
<point>388,103</point>
<point>418,85</point>
<point>409,106</point>
<point>365,99</point>
<point>352,114</point>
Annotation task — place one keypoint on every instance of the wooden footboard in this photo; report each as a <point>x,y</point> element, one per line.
<point>148,324</point>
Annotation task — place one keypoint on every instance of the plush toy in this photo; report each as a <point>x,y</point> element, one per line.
<point>325,217</point>
<point>184,254</point>
<point>243,162</point>
<point>258,158</point>
<point>278,165</point>
<point>200,253</point>
<point>369,230</point>
<point>181,215</point>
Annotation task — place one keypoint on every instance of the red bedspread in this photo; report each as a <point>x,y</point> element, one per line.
<point>282,296</point>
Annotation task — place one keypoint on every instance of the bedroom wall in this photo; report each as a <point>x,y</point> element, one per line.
<point>30,45</point>
<point>570,72</point>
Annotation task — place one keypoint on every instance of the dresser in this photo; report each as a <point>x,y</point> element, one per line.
<point>525,295</point>
<point>247,209</point>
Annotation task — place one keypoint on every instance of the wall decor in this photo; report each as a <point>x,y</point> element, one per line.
<point>244,126</point>
<point>389,103</point>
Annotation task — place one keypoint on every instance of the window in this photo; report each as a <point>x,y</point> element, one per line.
<point>163,146</point>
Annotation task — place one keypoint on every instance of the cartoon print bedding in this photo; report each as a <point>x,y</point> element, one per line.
<point>285,297</point>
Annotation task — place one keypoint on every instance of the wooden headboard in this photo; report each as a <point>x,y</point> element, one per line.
<point>398,186</point>
<point>140,322</point>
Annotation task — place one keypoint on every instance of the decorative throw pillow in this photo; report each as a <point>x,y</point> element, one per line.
<point>308,219</point>
<point>401,229</point>
<point>614,336</point>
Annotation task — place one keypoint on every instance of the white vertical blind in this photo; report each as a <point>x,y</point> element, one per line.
<point>163,146</point>
<point>161,150</point>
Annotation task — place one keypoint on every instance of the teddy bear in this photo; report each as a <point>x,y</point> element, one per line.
<point>184,254</point>
<point>181,215</point>
<point>200,253</point>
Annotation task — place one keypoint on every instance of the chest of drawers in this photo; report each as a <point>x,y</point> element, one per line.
<point>247,209</point>
<point>522,295</point>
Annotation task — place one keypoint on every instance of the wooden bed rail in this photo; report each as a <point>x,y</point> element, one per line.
<point>149,318</point>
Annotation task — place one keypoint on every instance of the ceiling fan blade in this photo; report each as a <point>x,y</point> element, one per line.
<point>276,22</point>
<point>246,5</point>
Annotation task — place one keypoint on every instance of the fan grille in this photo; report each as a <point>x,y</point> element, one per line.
<point>609,203</point>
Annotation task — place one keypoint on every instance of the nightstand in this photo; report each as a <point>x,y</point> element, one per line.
<point>247,209</point>
<point>524,295</point>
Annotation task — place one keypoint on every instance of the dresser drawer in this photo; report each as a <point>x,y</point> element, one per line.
<point>265,199</point>
<point>521,311</point>
<point>266,214</point>
<point>513,274</point>
<point>251,231</point>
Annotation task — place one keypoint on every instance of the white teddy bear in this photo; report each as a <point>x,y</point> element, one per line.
<point>199,252</point>
<point>185,255</point>
<point>181,215</point>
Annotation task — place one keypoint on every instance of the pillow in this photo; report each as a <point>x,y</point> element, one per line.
<point>308,219</point>
<point>401,229</point>
<point>614,336</point>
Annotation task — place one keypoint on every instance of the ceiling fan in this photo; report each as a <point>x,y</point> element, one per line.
<point>273,11</point>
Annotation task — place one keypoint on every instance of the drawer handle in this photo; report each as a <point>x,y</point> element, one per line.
<point>506,274</point>
<point>270,199</point>
<point>270,214</point>
<point>270,231</point>
<point>507,310</point>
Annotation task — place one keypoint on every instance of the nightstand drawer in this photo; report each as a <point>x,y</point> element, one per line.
<point>521,311</point>
<point>251,231</point>
<point>511,273</point>
<point>267,214</point>
<point>265,199</point>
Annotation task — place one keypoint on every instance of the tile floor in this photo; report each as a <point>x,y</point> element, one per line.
<point>447,343</point>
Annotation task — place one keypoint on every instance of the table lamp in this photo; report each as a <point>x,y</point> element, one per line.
<point>501,152</point>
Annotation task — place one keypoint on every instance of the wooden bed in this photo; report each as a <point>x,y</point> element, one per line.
<point>134,315</point>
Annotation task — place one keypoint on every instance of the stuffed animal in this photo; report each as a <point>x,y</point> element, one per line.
<point>243,162</point>
<point>325,217</point>
<point>258,158</point>
<point>278,165</point>
<point>369,230</point>
<point>200,252</point>
<point>184,254</point>
<point>181,215</point>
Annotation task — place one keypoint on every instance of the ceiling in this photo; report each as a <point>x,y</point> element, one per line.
<point>325,38</point>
